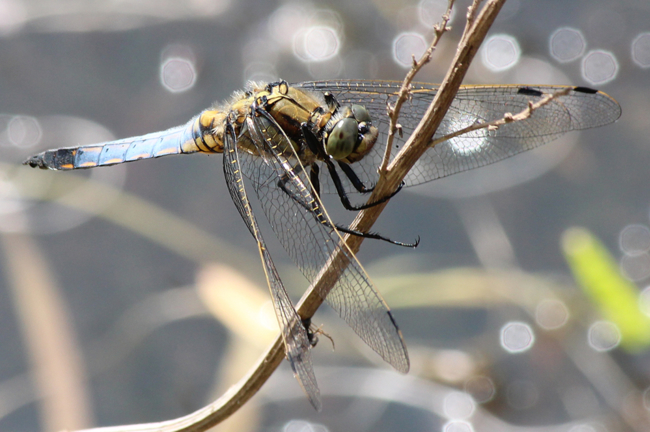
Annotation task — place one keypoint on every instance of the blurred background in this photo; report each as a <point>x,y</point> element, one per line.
<point>134,293</point>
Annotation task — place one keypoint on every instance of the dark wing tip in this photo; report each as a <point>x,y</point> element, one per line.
<point>400,360</point>
<point>585,90</point>
<point>529,92</point>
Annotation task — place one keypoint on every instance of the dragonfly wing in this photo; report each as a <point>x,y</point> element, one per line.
<point>180,139</point>
<point>578,110</point>
<point>581,109</point>
<point>309,237</point>
<point>294,334</point>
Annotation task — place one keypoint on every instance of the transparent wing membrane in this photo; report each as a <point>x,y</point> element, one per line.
<point>294,334</point>
<point>581,109</point>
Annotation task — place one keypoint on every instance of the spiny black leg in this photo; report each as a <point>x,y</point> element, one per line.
<point>318,215</point>
<point>376,236</point>
<point>358,184</point>
<point>354,179</point>
<point>341,191</point>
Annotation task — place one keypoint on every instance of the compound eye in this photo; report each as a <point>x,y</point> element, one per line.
<point>342,139</point>
<point>361,113</point>
<point>363,128</point>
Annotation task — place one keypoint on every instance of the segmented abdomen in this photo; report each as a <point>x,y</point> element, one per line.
<point>198,135</point>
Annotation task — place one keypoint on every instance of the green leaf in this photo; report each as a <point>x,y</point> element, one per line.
<point>616,298</point>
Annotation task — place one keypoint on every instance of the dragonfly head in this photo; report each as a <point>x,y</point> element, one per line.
<point>351,134</point>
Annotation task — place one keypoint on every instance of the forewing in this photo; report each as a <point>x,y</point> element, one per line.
<point>148,146</point>
<point>294,334</point>
<point>580,109</point>
<point>308,236</point>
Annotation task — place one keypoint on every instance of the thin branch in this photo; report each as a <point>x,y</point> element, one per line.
<point>405,91</point>
<point>471,15</point>
<point>417,144</point>
<point>507,117</point>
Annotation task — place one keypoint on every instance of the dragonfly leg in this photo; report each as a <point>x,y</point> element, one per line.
<point>317,148</point>
<point>376,236</point>
<point>355,180</point>
<point>313,332</point>
<point>313,208</point>
<point>358,185</point>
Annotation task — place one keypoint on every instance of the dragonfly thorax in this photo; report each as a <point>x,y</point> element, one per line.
<point>343,133</point>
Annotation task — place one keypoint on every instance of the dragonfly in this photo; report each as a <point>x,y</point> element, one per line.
<point>290,143</point>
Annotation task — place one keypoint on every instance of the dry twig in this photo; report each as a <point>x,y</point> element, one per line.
<point>405,91</point>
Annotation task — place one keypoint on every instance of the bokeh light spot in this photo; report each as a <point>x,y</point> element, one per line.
<point>567,44</point>
<point>634,239</point>
<point>603,336</point>
<point>458,405</point>
<point>635,267</point>
<point>24,131</point>
<point>285,22</point>
<point>316,43</point>
<point>481,388</point>
<point>551,314</point>
<point>517,337</point>
<point>641,50</point>
<point>177,74</point>
<point>465,145</point>
<point>430,12</point>
<point>407,45</point>
<point>458,426</point>
<point>599,67</point>
<point>471,142</point>
<point>303,426</point>
<point>500,52</point>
